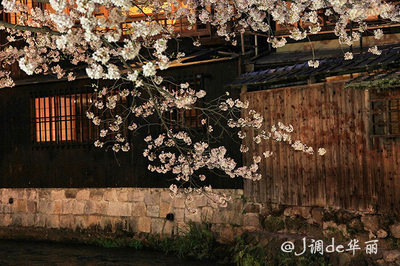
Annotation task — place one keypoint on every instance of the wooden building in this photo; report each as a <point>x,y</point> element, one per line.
<point>350,108</point>
<point>47,141</point>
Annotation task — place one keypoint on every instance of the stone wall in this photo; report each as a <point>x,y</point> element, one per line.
<point>299,220</point>
<point>295,222</point>
<point>134,210</point>
<point>84,214</point>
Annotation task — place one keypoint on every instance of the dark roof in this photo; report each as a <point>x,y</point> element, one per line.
<point>194,56</point>
<point>301,72</point>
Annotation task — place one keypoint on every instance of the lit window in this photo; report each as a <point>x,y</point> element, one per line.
<point>61,118</point>
<point>385,112</point>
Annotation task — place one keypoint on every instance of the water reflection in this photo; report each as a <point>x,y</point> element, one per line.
<point>39,253</point>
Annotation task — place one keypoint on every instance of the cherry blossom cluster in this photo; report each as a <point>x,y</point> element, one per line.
<point>110,43</point>
<point>101,34</point>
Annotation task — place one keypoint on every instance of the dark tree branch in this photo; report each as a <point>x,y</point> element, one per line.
<point>44,29</point>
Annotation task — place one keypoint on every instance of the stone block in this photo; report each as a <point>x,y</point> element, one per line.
<point>169,228</point>
<point>329,224</point>
<point>44,194</point>
<point>31,194</point>
<point>157,226</point>
<point>45,206</point>
<point>343,229</point>
<point>29,219</point>
<point>139,209</point>
<point>318,215</point>
<point>252,208</point>
<point>129,225</point>
<point>395,230</point>
<point>101,207</point>
<point>153,211</point>
<point>297,210</point>
<point>40,220</point>
<point>58,194</point>
<point>20,206</point>
<point>381,233</point>
<point>20,194</point>
<point>192,215</point>
<point>165,208</point>
<point>179,214</point>
<point>52,221</point>
<point>96,194</point>
<point>226,234</point>
<point>144,224</point>
<point>31,206</point>
<point>8,208</point>
<point>179,202</point>
<point>68,206</point>
<point>56,207</point>
<point>152,198</point>
<point>356,224</point>
<point>83,194</point>
<point>70,193</point>
<point>227,217</point>
<point>119,208</point>
<point>67,221</point>
<point>251,219</point>
<point>123,196</point>
<point>239,193</point>
<point>13,193</point>
<point>79,208</point>
<point>81,221</point>
<point>166,196</point>
<point>345,258</point>
<point>110,195</point>
<point>305,212</point>
<point>288,212</point>
<point>371,223</point>
<point>5,219</point>
<point>207,214</point>
<point>93,220</point>
<point>391,256</point>
<point>107,224</point>
<point>199,201</point>
<point>136,194</point>
<point>90,208</point>
<point>16,219</point>
<point>211,203</point>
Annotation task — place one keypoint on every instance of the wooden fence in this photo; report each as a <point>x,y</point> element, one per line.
<point>356,173</point>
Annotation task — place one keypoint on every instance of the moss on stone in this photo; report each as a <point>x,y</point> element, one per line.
<point>296,224</point>
<point>273,224</point>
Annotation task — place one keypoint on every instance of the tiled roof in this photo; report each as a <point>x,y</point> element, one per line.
<point>327,67</point>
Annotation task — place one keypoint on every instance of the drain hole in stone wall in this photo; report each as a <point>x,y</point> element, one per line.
<point>170,217</point>
<point>11,200</point>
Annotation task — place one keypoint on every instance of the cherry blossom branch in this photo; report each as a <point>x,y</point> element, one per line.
<point>44,29</point>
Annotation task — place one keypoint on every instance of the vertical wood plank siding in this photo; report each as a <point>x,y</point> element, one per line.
<point>356,173</point>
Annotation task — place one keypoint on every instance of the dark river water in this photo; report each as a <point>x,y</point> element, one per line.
<point>39,253</point>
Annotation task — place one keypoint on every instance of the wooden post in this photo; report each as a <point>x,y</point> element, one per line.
<point>242,41</point>
<point>256,44</point>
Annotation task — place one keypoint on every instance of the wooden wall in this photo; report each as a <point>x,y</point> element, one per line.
<point>356,173</point>
<point>24,164</point>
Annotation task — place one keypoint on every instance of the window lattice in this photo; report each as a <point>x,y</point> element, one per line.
<point>385,112</point>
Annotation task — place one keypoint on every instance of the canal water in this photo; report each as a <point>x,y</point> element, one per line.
<point>40,253</point>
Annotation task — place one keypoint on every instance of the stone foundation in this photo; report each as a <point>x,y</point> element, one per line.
<point>134,210</point>
<point>295,222</point>
<point>86,213</point>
